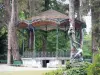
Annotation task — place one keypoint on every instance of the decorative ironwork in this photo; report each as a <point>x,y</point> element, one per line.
<point>28,54</point>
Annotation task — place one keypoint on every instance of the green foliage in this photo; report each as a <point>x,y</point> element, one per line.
<point>56,72</point>
<point>22,15</point>
<point>23,39</point>
<point>94,69</point>
<point>77,68</point>
<point>30,8</point>
<point>3,42</point>
<point>87,53</point>
<point>72,69</point>
<point>53,4</point>
<point>90,69</point>
<point>63,41</point>
<point>50,39</point>
<point>39,35</point>
<point>68,65</point>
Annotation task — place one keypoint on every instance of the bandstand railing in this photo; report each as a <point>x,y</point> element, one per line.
<point>30,54</point>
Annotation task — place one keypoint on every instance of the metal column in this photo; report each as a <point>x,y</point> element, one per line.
<point>23,42</point>
<point>34,51</point>
<point>57,35</point>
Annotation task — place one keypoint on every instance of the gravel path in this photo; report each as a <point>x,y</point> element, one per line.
<point>5,67</point>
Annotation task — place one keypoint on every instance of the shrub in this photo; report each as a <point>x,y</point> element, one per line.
<point>73,71</point>
<point>94,69</point>
<point>68,65</point>
<point>79,69</point>
<point>56,72</point>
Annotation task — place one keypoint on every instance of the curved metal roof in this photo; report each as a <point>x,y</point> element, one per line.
<point>49,19</point>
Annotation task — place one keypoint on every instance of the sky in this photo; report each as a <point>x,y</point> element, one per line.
<point>88,23</point>
<point>65,1</point>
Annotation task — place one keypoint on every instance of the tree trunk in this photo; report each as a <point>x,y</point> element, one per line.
<point>77,8</point>
<point>7,11</point>
<point>95,21</point>
<point>81,10</point>
<point>15,49</point>
<point>12,36</point>
<point>14,16</point>
<point>79,16</point>
<point>30,8</point>
<point>72,24</point>
<point>9,46</point>
<point>7,7</point>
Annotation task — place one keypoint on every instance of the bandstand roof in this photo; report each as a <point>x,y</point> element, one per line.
<point>50,14</point>
<point>49,20</point>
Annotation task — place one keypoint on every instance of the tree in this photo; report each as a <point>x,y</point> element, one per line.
<point>72,26</point>
<point>12,36</point>
<point>76,7</point>
<point>95,26</point>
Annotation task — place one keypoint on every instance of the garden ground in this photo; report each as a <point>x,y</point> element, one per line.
<point>12,70</point>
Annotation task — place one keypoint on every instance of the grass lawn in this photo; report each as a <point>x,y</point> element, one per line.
<point>24,72</point>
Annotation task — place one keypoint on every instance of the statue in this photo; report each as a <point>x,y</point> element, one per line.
<point>79,50</point>
<point>79,54</point>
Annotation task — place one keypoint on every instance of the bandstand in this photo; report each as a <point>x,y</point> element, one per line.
<point>47,21</point>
